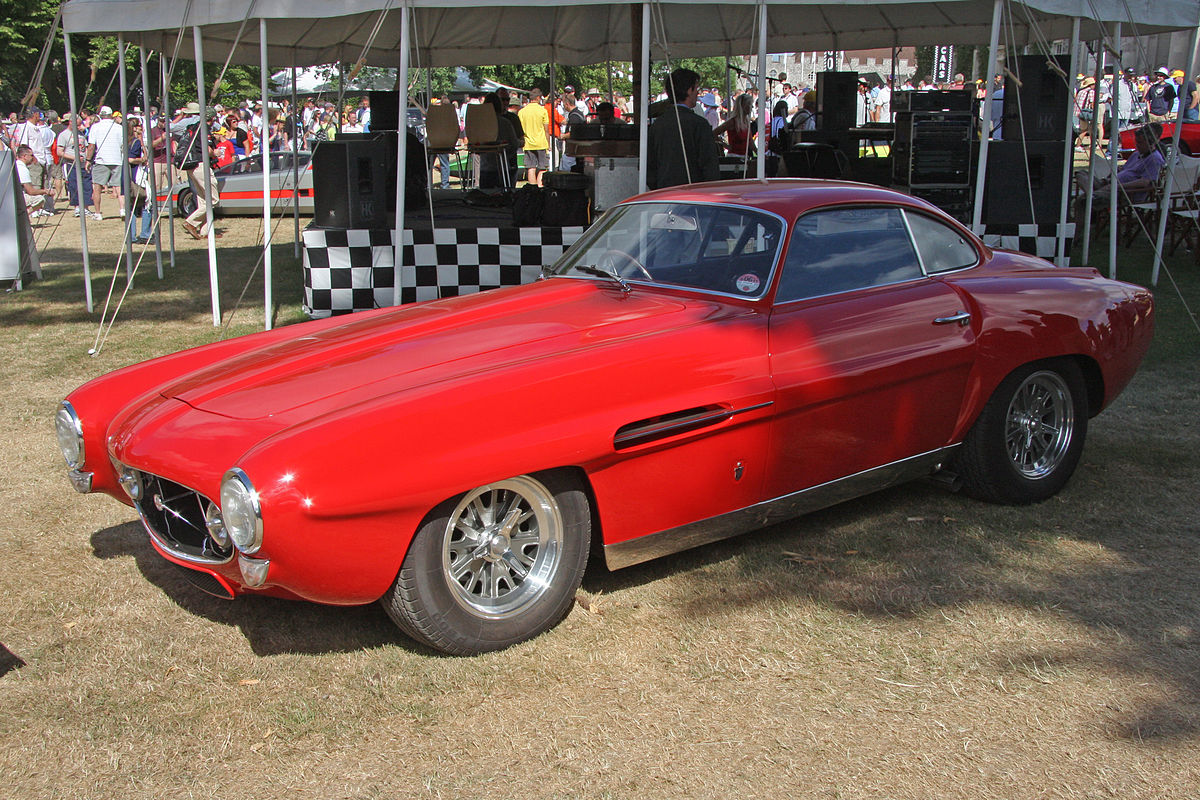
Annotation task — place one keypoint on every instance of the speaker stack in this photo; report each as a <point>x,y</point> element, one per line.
<point>1024,175</point>
<point>932,150</point>
<point>351,177</point>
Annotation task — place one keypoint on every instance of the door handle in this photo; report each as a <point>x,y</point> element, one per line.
<point>963,318</point>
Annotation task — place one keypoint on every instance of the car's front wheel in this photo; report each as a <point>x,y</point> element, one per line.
<point>495,566</point>
<point>1028,439</point>
<point>187,202</point>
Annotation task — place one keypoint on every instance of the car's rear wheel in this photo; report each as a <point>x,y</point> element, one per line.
<point>1028,439</point>
<point>186,202</point>
<point>494,566</point>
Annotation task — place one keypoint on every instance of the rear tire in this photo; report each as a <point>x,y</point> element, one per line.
<point>495,566</point>
<point>1027,441</point>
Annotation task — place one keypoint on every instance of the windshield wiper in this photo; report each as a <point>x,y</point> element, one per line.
<point>603,273</point>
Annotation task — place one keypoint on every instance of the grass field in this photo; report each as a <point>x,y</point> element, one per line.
<point>913,644</point>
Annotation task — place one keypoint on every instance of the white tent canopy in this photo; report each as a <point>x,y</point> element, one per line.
<point>455,32</point>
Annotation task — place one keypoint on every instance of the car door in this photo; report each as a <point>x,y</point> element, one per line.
<point>869,355</point>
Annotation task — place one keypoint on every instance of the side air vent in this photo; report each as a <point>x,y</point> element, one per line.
<point>666,425</point>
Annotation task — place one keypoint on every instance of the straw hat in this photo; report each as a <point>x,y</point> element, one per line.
<point>1088,81</point>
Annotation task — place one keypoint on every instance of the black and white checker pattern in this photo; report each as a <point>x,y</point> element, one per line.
<point>352,270</point>
<point>1036,240</point>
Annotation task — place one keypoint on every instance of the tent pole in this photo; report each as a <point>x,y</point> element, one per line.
<point>401,153</point>
<point>1165,201</point>
<point>126,184</point>
<point>1060,256</point>
<point>986,133</point>
<point>203,131</point>
<point>148,149</point>
<point>1093,137</point>
<point>764,121</point>
<point>644,100</point>
<point>342,97</point>
<point>166,112</point>
<point>265,150</point>
<point>553,98</point>
<point>1114,140</point>
<point>83,201</point>
<point>295,136</point>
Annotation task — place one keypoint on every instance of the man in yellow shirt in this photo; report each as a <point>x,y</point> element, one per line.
<point>536,124</point>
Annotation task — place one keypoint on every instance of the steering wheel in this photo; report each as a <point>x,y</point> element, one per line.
<point>629,259</point>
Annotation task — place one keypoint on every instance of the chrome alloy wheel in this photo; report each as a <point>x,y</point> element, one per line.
<point>502,546</point>
<point>1040,425</point>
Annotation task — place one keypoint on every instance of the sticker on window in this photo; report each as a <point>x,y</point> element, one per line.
<point>748,283</point>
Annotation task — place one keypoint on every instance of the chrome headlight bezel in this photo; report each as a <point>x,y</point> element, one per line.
<point>69,431</point>
<point>241,511</point>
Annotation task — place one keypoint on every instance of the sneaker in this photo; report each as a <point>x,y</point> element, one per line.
<point>122,213</point>
<point>76,212</point>
<point>94,215</point>
<point>41,212</point>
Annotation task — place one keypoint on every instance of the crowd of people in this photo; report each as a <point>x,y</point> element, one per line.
<point>1164,95</point>
<point>538,125</point>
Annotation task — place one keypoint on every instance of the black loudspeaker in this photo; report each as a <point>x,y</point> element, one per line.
<point>837,100</point>
<point>350,184</point>
<point>957,201</point>
<point>385,111</point>
<point>1018,171</point>
<point>1036,110</point>
<point>941,100</point>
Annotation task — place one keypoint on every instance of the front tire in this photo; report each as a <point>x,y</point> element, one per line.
<point>1027,441</point>
<point>495,566</point>
<point>186,202</point>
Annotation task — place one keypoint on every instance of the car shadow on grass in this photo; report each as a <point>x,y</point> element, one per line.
<point>271,626</point>
<point>9,661</point>
<point>916,552</point>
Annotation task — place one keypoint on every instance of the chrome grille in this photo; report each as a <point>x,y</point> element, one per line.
<point>174,516</point>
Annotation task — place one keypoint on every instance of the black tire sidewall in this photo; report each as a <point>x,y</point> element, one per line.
<point>422,604</point>
<point>187,202</point>
<point>989,473</point>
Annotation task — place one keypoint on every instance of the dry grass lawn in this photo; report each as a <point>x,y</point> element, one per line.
<point>914,644</point>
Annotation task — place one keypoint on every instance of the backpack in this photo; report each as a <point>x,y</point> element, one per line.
<point>780,142</point>
<point>528,202</point>
<point>190,154</point>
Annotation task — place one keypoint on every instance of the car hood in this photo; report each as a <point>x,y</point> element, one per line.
<point>377,353</point>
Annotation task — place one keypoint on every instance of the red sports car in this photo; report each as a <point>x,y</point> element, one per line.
<point>705,361</point>
<point>1189,137</point>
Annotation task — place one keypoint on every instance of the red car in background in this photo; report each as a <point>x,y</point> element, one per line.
<point>705,361</point>
<point>1189,137</point>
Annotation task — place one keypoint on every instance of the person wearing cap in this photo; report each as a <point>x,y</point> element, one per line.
<point>224,147</point>
<point>35,196</point>
<point>105,154</point>
<point>68,160</point>
<point>1160,96</point>
<point>1085,110</point>
<point>681,148</point>
<point>1187,97</point>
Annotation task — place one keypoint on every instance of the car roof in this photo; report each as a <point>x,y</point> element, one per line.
<point>786,197</point>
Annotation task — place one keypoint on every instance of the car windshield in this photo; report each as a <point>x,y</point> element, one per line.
<point>711,247</point>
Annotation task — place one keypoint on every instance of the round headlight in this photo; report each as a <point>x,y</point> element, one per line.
<point>241,511</point>
<point>70,435</point>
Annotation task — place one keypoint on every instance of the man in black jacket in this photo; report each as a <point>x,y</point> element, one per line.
<point>681,147</point>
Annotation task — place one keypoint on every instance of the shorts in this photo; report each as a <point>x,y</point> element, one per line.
<point>56,171</point>
<point>537,159</point>
<point>106,175</point>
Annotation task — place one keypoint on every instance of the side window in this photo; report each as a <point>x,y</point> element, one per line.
<point>942,248</point>
<point>842,249</point>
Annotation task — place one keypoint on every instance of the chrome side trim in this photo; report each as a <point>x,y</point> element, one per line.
<point>769,512</point>
<point>640,433</point>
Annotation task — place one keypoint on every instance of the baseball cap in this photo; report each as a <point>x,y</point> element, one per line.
<point>569,89</point>
<point>1177,73</point>
<point>105,111</point>
<point>1163,71</point>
